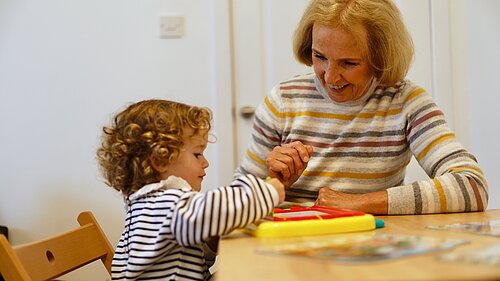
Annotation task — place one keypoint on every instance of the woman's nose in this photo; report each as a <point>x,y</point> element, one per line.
<point>332,74</point>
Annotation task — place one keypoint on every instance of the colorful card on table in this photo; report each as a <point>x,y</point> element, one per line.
<point>315,220</point>
<point>491,228</point>
<point>489,255</point>
<point>361,247</point>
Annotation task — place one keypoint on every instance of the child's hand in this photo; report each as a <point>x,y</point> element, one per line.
<point>288,162</point>
<point>280,188</point>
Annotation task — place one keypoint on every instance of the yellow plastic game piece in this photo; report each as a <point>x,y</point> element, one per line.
<point>293,228</point>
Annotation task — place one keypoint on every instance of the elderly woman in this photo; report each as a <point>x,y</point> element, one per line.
<point>344,135</point>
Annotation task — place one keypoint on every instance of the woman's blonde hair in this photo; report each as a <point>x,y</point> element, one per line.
<point>150,129</point>
<point>389,44</point>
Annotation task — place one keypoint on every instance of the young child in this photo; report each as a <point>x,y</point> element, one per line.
<point>153,155</point>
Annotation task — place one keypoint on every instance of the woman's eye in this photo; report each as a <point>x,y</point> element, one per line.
<point>318,56</point>
<point>350,63</point>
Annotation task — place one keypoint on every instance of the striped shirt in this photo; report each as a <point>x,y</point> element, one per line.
<point>167,225</point>
<point>365,145</point>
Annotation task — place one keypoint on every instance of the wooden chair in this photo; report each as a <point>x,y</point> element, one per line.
<point>57,255</point>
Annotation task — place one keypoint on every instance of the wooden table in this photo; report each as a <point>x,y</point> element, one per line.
<point>238,260</point>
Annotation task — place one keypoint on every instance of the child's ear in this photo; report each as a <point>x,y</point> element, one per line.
<point>157,166</point>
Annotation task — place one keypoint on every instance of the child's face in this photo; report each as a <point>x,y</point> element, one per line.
<point>191,163</point>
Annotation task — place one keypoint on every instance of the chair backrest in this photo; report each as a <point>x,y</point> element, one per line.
<point>57,255</point>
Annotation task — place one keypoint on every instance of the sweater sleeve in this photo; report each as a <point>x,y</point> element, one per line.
<point>266,134</point>
<point>456,183</point>
<point>198,216</point>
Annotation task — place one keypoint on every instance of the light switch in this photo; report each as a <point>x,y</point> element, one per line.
<point>171,27</point>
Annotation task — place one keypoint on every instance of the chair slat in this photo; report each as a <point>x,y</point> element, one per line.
<point>55,256</point>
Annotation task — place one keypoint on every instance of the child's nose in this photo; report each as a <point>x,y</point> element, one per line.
<point>205,163</point>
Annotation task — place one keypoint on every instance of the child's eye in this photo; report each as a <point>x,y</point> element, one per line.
<point>197,155</point>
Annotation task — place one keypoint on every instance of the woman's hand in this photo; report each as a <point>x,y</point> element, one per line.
<point>373,202</point>
<point>287,162</point>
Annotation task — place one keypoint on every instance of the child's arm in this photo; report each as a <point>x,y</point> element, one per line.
<point>199,216</point>
<point>280,188</point>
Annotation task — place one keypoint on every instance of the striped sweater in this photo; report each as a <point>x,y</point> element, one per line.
<point>167,225</point>
<point>365,145</point>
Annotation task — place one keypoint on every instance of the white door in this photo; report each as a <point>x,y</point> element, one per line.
<point>262,34</point>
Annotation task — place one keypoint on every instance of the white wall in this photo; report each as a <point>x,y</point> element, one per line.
<point>476,57</point>
<point>484,93</point>
<point>65,68</point>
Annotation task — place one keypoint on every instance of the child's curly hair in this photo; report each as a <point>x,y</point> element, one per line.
<point>150,128</point>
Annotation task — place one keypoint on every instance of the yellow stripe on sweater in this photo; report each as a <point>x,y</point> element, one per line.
<point>272,108</point>
<point>414,94</point>
<point>460,169</point>
<point>318,115</point>
<point>314,114</point>
<point>380,113</point>
<point>255,158</point>
<point>354,175</point>
<point>442,197</point>
<point>433,144</point>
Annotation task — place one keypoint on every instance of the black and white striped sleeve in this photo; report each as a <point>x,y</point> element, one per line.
<point>198,216</point>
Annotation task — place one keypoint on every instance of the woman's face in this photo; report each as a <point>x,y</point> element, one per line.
<point>340,63</point>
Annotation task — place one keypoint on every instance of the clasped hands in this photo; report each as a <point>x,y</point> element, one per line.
<point>288,162</point>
